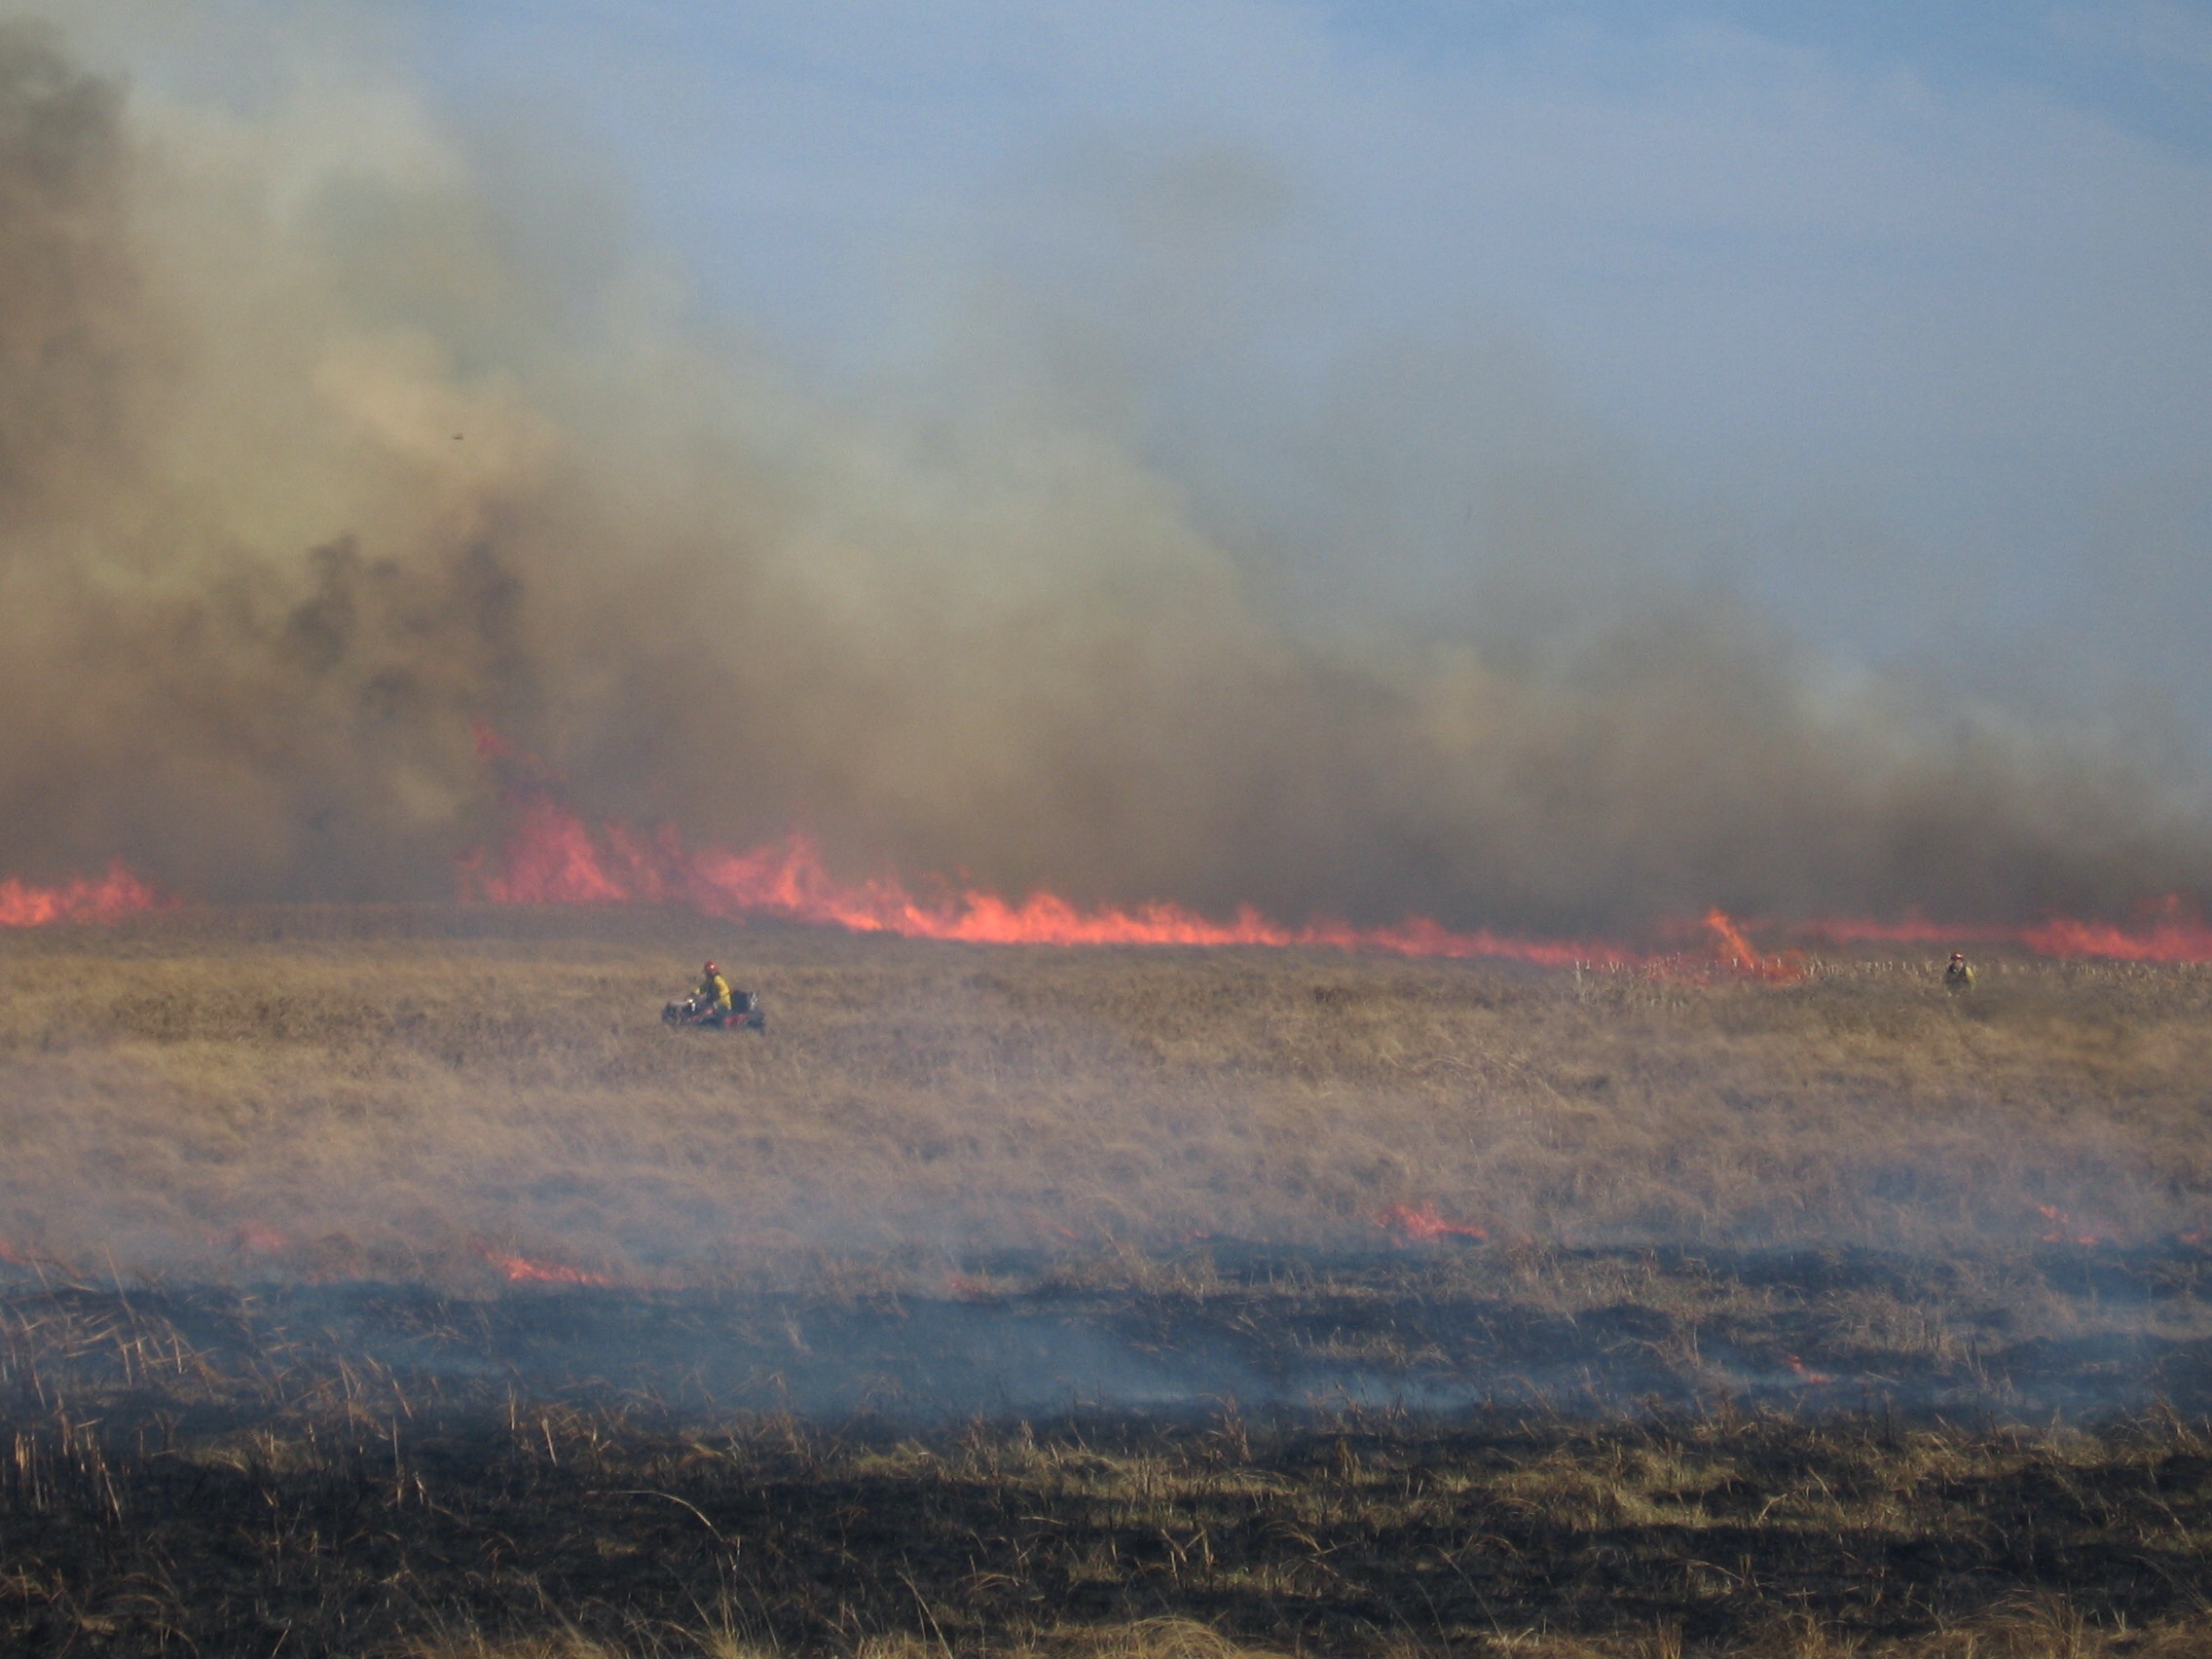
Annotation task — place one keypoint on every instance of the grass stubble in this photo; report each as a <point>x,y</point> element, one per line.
<point>1830,1317</point>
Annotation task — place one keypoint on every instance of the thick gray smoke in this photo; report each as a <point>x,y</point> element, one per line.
<point>304,473</point>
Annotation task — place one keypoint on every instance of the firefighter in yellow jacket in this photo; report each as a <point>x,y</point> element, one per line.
<point>714,994</point>
<point>1959,976</point>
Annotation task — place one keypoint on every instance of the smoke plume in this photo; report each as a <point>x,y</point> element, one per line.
<point>307,475</point>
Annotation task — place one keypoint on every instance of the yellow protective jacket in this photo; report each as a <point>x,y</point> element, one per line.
<point>715,989</point>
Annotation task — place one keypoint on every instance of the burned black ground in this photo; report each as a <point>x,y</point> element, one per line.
<point>1441,1448</point>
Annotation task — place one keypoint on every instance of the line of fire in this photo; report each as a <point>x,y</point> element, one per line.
<point>554,857</point>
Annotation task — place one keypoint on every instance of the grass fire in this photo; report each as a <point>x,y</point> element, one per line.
<point>1081,955</point>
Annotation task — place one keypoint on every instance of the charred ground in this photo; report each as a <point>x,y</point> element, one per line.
<point>205,1473</point>
<point>1006,1300</point>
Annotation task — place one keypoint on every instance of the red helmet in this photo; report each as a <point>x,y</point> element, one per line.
<point>709,967</point>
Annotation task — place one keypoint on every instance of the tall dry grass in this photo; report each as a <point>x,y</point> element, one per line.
<point>405,1091</point>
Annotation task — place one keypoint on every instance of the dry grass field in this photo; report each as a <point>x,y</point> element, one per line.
<point>393,1282</point>
<point>387,1091</point>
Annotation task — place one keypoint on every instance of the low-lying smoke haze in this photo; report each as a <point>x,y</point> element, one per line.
<point>315,463</point>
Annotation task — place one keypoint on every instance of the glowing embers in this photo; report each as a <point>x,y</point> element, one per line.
<point>107,898</point>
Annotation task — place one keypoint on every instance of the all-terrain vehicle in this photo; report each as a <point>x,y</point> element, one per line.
<point>743,1014</point>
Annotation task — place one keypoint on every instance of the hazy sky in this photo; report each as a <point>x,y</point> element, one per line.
<point>1899,317</point>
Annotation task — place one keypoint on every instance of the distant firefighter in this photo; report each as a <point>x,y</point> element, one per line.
<point>716,1006</point>
<point>714,991</point>
<point>1959,976</point>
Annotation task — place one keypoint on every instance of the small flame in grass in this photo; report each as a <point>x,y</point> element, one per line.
<point>2067,1231</point>
<point>106,898</point>
<point>1740,955</point>
<point>1805,1374</point>
<point>521,1270</point>
<point>1423,1222</point>
<point>259,1239</point>
<point>2198,1236</point>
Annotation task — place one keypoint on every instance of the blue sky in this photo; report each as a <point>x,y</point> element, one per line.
<point>1898,317</point>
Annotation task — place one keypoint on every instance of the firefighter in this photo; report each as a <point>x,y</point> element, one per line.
<point>1959,976</point>
<point>713,996</point>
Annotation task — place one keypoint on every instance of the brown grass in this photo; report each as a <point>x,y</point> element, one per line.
<point>385,1090</point>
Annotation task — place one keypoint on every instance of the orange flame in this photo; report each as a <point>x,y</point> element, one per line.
<point>1423,1222</point>
<point>521,1270</point>
<point>1742,957</point>
<point>107,898</point>
<point>2170,929</point>
<point>1805,1373</point>
<point>553,858</point>
<point>2175,932</point>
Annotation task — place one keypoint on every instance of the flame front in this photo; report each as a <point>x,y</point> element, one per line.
<point>2173,931</point>
<point>106,898</point>
<point>553,858</point>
